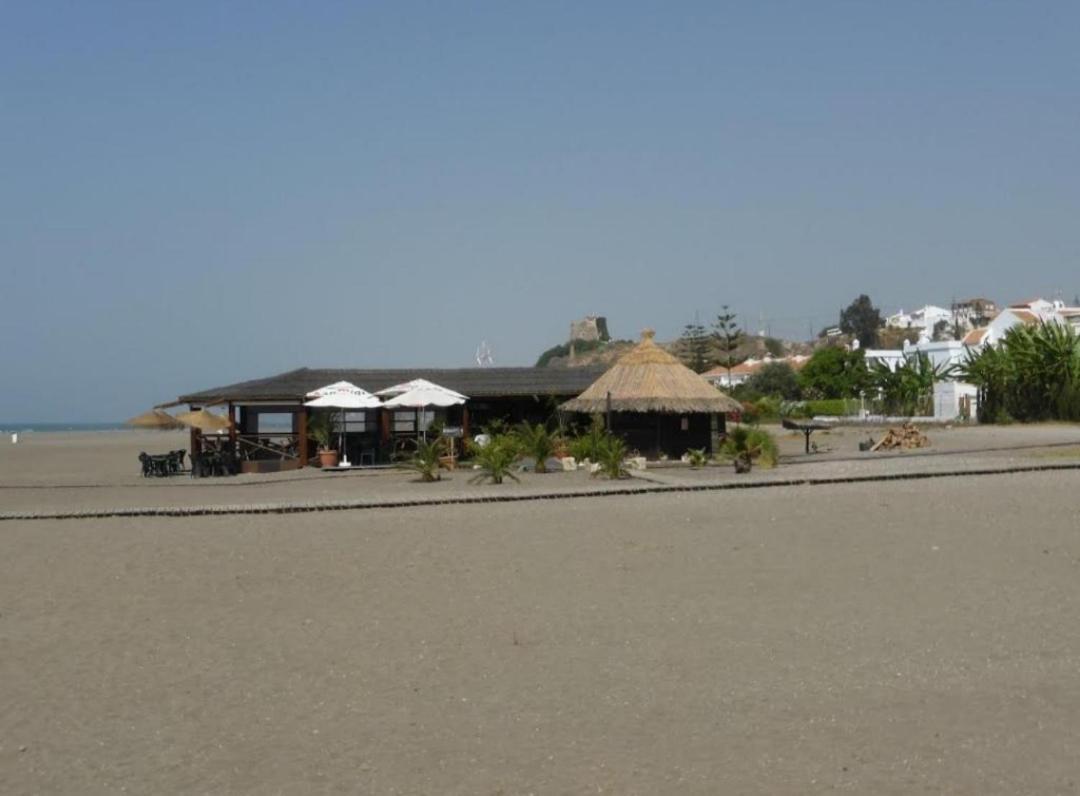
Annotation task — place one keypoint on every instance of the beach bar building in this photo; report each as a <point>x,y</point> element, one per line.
<point>269,420</point>
<point>657,404</point>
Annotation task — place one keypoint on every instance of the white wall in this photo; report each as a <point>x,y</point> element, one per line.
<point>947,395</point>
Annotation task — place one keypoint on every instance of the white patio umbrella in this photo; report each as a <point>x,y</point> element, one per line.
<point>419,384</point>
<point>342,395</point>
<point>419,394</point>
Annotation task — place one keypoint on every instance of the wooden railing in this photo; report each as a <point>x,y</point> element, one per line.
<point>270,445</point>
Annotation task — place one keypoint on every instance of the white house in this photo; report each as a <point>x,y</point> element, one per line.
<point>942,354</point>
<point>1027,313</point>
<point>890,357</point>
<point>741,373</point>
<point>972,313</point>
<point>953,398</point>
<point>926,318</point>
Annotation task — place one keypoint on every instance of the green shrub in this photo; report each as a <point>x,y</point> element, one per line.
<point>750,414</point>
<point>834,372</point>
<point>563,350</point>
<point>425,460</point>
<point>697,457</point>
<point>776,378</point>
<point>612,457</point>
<point>751,444</point>
<point>1032,374</point>
<point>768,408</point>
<point>589,445</point>
<point>496,427</point>
<point>495,460</point>
<point>796,409</point>
<point>831,407</point>
<point>537,442</point>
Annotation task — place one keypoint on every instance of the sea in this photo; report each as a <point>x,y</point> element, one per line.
<point>23,428</point>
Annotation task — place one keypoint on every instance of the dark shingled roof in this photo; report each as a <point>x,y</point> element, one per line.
<point>473,382</point>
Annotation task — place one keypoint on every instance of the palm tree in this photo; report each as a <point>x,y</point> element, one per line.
<point>611,457</point>
<point>537,442</point>
<point>1032,374</point>
<point>426,460</point>
<point>495,459</point>
<point>909,389</point>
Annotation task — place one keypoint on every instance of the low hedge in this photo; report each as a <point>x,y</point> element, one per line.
<point>832,407</point>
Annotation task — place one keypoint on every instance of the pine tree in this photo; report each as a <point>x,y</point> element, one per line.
<point>728,338</point>
<point>694,347</point>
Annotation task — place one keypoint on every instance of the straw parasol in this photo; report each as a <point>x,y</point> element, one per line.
<point>649,379</point>
<point>204,421</point>
<point>155,419</point>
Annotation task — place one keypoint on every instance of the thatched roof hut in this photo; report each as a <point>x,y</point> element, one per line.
<point>648,379</point>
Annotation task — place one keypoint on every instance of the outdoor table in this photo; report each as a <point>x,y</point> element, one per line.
<point>807,428</point>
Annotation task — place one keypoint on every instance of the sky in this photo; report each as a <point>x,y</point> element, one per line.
<point>197,193</point>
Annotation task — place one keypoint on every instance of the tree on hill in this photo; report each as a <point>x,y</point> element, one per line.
<point>728,338</point>
<point>834,372</point>
<point>774,347</point>
<point>862,320</point>
<point>694,347</point>
<point>775,379</point>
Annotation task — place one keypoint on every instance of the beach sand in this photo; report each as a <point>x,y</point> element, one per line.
<point>869,638</point>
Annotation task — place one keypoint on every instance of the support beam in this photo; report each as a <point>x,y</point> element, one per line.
<point>384,425</point>
<point>301,430</point>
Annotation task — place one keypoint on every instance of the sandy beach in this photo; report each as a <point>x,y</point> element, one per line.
<point>865,638</point>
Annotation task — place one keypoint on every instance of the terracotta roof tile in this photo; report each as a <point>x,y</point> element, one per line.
<point>975,336</point>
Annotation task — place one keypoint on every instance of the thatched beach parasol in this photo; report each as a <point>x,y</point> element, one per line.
<point>155,419</point>
<point>205,421</point>
<point>649,379</point>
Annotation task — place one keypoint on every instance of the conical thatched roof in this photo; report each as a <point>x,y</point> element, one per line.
<point>649,379</point>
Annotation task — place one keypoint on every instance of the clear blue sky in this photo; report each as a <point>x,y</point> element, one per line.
<point>196,193</point>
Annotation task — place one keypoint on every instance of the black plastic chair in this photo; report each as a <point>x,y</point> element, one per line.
<point>200,465</point>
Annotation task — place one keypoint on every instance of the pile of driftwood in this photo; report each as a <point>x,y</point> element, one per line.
<point>905,437</point>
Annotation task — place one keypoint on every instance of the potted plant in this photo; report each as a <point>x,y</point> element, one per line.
<point>322,427</point>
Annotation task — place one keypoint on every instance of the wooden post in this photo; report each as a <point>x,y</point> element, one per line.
<point>232,429</point>
<point>464,423</point>
<point>301,430</point>
<point>384,426</point>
